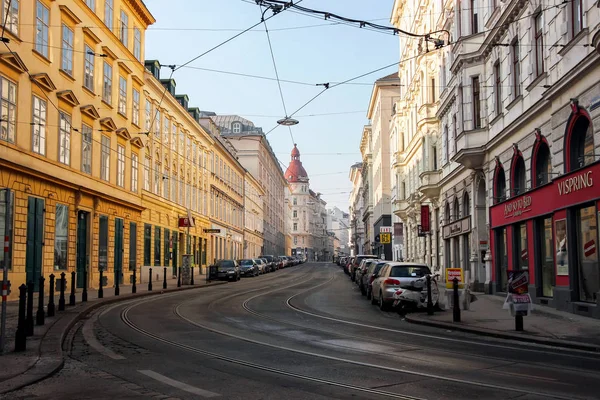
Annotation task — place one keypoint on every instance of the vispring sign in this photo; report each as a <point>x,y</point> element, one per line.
<point>575,183</point>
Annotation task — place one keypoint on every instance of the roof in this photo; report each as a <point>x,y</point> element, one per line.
<point>295,171</point>
<point>389,77</point>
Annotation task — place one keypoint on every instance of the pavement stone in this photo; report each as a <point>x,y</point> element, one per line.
<point>44,354</point>
<point>544,325</point>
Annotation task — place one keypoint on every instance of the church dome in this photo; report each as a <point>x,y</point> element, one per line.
<point>295,171</point>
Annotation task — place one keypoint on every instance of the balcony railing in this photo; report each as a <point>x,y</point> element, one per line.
<point>472,148</point>
<point>430,183</point>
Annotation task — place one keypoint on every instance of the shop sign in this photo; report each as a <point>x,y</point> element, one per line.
<point>185,222</point>
<point>575,183</point>
<point>517,207</point>
<point>456,228</point>
<point>211,230</point>
<point>452,273</point>
<point>385,229</point>
<point>425,219</point>
<point>518,300</point>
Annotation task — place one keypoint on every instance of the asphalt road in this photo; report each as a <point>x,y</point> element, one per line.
<point>300,333</point>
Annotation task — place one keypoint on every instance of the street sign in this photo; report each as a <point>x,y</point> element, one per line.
<point>385,229</point>
<point>385,238</point>
<point>452,273</point>
<point>212,230</point>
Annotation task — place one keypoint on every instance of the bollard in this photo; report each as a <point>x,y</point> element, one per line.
<point>51,297</point>
<point>72,296</point>
<point>39,317</point>
<point>101,289</point>
<point>20,335</point>
<point>29,318</point>
<point>192,276</point>
<point>133,287</point>
<point>429,300</point>
<point>179,277</point>
<point>150,280</point>
<point>456,306</point>
<point>84,291</point>
<point>518,323</point>
<point>165,278</point>
<point>117,279</point>
<point>61,299</point>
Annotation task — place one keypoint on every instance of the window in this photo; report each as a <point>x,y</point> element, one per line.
<point>543,167</point>
<point>107,84</point>
<point>91,4</point>
<point>516,67</point>
<point>156,179</point>
<point>108,13</point>
<point>237,127</point>
<point>434,158</point>
<point>456,210</point>
<point>121,166</point>
<point>295,226</point>
<point>122,96</point>
<point>134,172</point>
<point>86,149</point>
<point>474,24</point>
<point>147,243</point>
<point>295,214</point>
<point>173,136</point>
<point>148,116</point>
<point>123,28</point>
<point>137,43</point>
<point>166,130</point>
<point>157,124</point>
<point>432,90</point>
<point>499,185</point>
<point>105,159</point>
<point>166,189</point>
<point>576,17</point>
<point>521,254</point>
<point>64,138</point>
<point>295,201</point>
<point>66,62</point>
<point>466,205</point>
<point>38,143</point>
<point>61,236</point>
<point>88,68</point>
<point>167,249</point>
<point>539,44</point>
<point>447,143</point>
<point>132,246</point>
<point>586,252</point>
<point>147,174</point>
<point>497,88</point>
<point>135,116</point>
<point>174,187</point>
<point>157,259</point>
<point>10,15</point>
<point>545,259</point>
<point>580,146</point>
<point>476,103</point>
<point>42,18</point>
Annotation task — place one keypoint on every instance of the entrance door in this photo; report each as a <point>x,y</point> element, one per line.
<point>118,250</point>
<point>82,246</point>
<point>35,235</point>
<point>587,254</point>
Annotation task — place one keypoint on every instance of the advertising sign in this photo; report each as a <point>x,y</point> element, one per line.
<point>385,229</point>
<point>385,238</point>
<point>452,273</point>
<point>186,222</point>
<point>425,225</point>
<point>518,300</point>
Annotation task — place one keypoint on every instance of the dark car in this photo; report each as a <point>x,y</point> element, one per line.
<point>270,262</point>
<point>368,277</point>
<point>228,270</point>
<point>356,262</point>
<point>248,267</point>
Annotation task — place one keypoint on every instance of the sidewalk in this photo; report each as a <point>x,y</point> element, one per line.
<point>44,355</point>
<point>544,325</point>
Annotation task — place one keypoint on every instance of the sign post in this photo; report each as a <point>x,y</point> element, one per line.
<point>518,300</point>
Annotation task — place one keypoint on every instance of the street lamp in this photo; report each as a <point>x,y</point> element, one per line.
<point>287,121</point>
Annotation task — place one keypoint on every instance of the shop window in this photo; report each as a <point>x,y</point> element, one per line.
<point>587,254</point>
<point>541,164</point>
<point>545,259</point>
<point>518,176</point>
<point>579,139</point>
<point>521,255</point>
<point>501,259</point>
<point>157,246</point>
<point>499,184</point>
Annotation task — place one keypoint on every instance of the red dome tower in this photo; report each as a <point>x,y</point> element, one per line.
<point>295,171</point>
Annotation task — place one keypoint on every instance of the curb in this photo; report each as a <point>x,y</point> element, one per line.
<point>566,344</point>
<point>51,358</point>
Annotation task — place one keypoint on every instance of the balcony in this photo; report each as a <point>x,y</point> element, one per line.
<point>400,208</point>
<point>472,148</point>
<point>398,160</point>
<point>430,183</point>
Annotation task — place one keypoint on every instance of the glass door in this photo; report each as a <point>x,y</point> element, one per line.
<point>501,260</point>
<point>587,254</point>
<point>546,257</point>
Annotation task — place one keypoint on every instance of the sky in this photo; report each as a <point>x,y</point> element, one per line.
<point>329,144</point>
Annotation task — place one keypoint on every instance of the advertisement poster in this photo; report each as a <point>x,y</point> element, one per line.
<point>562,260</point>
<point>518,300</point>
<point>452,273</point>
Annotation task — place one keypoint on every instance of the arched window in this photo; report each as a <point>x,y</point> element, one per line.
<point>499,184</point>
<point>518,175</point>
<point>579,139</point>
<point>466,205</point>
<point>456,209</point>
<point>447,213</point>
<point>540,161</point>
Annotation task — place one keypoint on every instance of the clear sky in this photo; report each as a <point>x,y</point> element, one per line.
<point>316,54</point>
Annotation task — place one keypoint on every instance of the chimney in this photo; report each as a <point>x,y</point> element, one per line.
<point>154,67</point>
<point>169,84</point>
<point>183,99</point>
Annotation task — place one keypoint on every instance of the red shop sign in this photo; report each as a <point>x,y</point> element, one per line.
<point>571,189</point>
<point>425,225</point>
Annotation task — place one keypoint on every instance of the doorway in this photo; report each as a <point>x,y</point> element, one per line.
<point>35,238</point>
<point>82,247</point>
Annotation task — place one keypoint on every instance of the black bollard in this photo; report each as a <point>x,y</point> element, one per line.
<point>192,276</point>
<point>100,289</point>
<point>72,296</point>
<point>150,279</point>
<point>84,291</point>
<point>519,323</point>
<point>117,279</point>
<point>61,299</point>
<point>456,307</point>
<point>165,278</point>
<point>29,318</point>
<point>51,297</point>
<point>40,315</point>
<point>20,335</point>
<point>429,300</point>
<point>133,287</point>
<point>179,277</point>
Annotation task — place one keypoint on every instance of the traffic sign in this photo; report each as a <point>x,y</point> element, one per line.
<point>385,238</point>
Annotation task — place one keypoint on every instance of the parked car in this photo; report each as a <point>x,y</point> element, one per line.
<point>284,261</point>
<point>228,270</point>
<point>348,264</point>
<point>369,276</point>
<point>361,271</point>
<point>342,261</point>
<point>278,262</point>
<point>261,263</point>
<point>248,267</point>
<point>356,262</point>
<point>391,277</point>
<point>270,262</point>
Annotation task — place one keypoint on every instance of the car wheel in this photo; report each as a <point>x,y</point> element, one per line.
<point>382,305</point>
<point>373,299</point>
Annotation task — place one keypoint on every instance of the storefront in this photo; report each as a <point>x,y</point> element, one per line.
<point>456,237</point>
<point>552,232</point>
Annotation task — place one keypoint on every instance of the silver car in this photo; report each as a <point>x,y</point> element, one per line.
<point>391,277</point>
<point>368,277</point>
<point>262,265</point>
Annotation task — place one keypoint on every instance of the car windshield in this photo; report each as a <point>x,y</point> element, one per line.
<point>246,262</point>
<point>225,264</point>
<point>409,271</point>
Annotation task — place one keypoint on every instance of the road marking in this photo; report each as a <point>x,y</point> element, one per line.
<point>90,338</point>
<point>177,384</point>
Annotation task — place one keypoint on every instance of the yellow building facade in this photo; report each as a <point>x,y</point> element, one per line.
<point>254,216</point>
